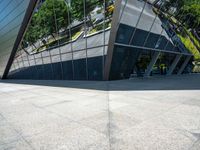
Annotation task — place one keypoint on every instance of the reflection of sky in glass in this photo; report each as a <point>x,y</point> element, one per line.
<point>11,17</point>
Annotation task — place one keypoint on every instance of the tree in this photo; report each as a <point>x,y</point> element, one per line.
<point>177,3</point>
<point>33,33</point>
<point>48,20</point>
<point>77,8</point>
<point>189,13</point>
<point>52,16</point>
<point>192,14</point>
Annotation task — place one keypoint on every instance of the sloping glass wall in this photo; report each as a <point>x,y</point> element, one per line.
<point>145,26</point>
<point>11,17</point>
<point>65,40</point>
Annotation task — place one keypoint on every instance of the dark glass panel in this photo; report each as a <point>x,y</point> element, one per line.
<point>80,69</point>
<point>139,37</point>
<point>124,34</point>
<point>152,40</point>
<point>95,68</point>
<point>67,70</point>
<point>123,62</point>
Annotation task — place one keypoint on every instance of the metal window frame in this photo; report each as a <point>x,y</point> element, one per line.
<point>111,42</point>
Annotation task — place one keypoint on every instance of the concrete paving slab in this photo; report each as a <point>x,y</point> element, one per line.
<point>138,114</point>
<point>19,144</point>
<point>71,136</point>
<point>8,134</point>
<point>153,139</point>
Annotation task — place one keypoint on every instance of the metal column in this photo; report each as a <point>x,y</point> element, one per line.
<point>184,65</point>
<point>113,34</point>
<point>174,64</point>
<point>152,63</point>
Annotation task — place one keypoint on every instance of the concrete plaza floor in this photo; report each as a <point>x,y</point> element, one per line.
<point>138,114</point>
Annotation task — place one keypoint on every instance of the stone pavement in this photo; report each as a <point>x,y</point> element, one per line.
<point>138,114</point>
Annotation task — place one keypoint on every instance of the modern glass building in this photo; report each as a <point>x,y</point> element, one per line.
<point>89,40</point>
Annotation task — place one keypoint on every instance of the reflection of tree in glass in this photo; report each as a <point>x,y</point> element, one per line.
<point>187,11</point>
<point>77,8</point>
<point>43,21</point>
<point>50,22</point>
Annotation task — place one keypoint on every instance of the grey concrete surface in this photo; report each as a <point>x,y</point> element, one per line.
<point>138,114</point>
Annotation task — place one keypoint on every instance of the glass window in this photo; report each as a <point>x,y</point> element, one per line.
<point>124,34</point>
<point>95,63</point>
<point>123,62</point>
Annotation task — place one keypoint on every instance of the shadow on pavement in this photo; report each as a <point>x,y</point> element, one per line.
<point>184,82</point>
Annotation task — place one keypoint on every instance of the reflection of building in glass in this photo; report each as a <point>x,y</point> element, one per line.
<point>145,46</point>
<point>99,40</point>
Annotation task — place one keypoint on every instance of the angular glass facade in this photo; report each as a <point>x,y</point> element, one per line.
<point>65,40</point>
<point>141,32</point>
<point>100,40</point>
<point>12,14</point>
